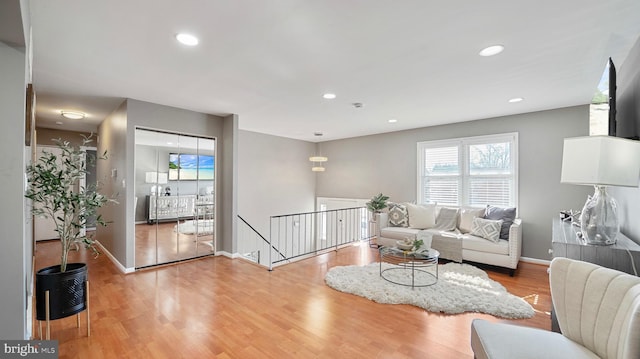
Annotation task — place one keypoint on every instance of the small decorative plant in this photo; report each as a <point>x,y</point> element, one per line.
<point>55,191</point>
<point>377,203</point>
<point>417,244</point>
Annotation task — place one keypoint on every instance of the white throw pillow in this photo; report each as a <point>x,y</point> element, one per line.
<point>487,229</point>
<point>421,216</point>
<point>466,218</point>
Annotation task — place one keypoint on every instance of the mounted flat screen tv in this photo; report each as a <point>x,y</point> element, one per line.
<point>602,111</point>
<point>190,167</point>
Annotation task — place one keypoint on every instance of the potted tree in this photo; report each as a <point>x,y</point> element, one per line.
<point>376,205</point>
<point>55,192</point>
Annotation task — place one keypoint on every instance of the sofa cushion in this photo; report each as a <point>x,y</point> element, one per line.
<point>398,215</point>
<point>466,217</point>
<point>447,219</point>
<point>507,215</point>
<point>398,232</point>
<point>478,244</point>
<point>421,216</point>
<point>486,228</point>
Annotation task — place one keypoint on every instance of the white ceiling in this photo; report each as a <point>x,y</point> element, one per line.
<point>270,61</point>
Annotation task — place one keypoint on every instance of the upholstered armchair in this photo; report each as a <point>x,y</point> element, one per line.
<point>598,310</point>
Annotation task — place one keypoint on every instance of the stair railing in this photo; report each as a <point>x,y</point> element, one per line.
<point>301,235</point>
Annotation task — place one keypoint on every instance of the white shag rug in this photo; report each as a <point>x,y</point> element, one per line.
<point>460,288</point>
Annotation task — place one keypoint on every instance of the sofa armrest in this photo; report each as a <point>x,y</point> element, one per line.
<point>382,221</point>
<point>515,242</point>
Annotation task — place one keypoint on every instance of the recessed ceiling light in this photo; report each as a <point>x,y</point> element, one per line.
<point>329,96</point>
<point>393,120</point>
<point>187,39</point>
<point>491,50</point>
<point>516,99</point>
<point>72,115</point>
<point>59,123</point>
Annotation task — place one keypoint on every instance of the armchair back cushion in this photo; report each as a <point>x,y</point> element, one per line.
<point>597,307</point>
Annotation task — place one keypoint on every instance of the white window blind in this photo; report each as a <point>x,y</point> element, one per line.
<point>442,174</point>
<point>473,171</point>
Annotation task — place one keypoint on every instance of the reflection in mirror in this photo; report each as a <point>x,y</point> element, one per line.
<point>175,196</point>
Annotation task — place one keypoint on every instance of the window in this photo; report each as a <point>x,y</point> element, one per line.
<point>473,171</point>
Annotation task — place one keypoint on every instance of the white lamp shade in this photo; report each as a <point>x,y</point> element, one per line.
<point>156,177</point>
<point>601,160</point>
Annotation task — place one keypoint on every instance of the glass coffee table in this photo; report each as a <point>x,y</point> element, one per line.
<point>412,269</point>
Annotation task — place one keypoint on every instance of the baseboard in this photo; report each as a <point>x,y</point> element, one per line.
<point>228,255</point>
<point>535,261</point>
<point>113,259</point>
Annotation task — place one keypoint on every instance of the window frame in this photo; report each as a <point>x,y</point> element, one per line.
<point>464,176</point>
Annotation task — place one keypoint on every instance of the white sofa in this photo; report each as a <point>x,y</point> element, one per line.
<point>503,252</point>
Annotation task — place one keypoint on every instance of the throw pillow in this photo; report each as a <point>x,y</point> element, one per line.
<point>507,215</point>
<point>466,217</point>
<point>486,228</point>
<point>447,219</point>
<point>398,215</point>
<point>421,216</point>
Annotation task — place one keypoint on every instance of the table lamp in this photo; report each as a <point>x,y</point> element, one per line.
<point>156,178</point>
<point>600,161</point>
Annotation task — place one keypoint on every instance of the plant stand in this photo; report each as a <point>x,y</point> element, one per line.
<point>48,320</point>
<point>61,294</point>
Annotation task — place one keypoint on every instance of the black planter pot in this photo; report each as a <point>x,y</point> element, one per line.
<point>67,291</point>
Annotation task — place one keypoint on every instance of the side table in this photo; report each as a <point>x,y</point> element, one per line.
<point>409,268</point>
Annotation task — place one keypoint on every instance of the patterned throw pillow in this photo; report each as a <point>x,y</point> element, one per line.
<point>487,229</point>
<point>398,215</point>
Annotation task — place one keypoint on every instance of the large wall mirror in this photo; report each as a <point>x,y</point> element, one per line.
<point>175,212</point>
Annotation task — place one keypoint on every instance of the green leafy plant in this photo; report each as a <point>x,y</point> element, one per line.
<point>417,244</point>
<point>56,193</point>
<point>377,203</point>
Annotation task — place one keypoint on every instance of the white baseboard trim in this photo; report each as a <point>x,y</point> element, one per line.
<point>113,259</point>
<point>228,255</point>
<point>535,261</point>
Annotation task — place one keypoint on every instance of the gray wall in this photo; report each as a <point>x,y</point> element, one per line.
<point>15,243</point>
<point>364,166</point>
<point>117,135</point>
<point>112,138</point>
<point>227,187</point>
<point>46,135</point>
<point>274,178</point>
<point>628,81</point>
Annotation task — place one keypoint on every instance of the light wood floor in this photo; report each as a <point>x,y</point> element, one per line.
<point>217,307</point>
<point>161,243</point>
